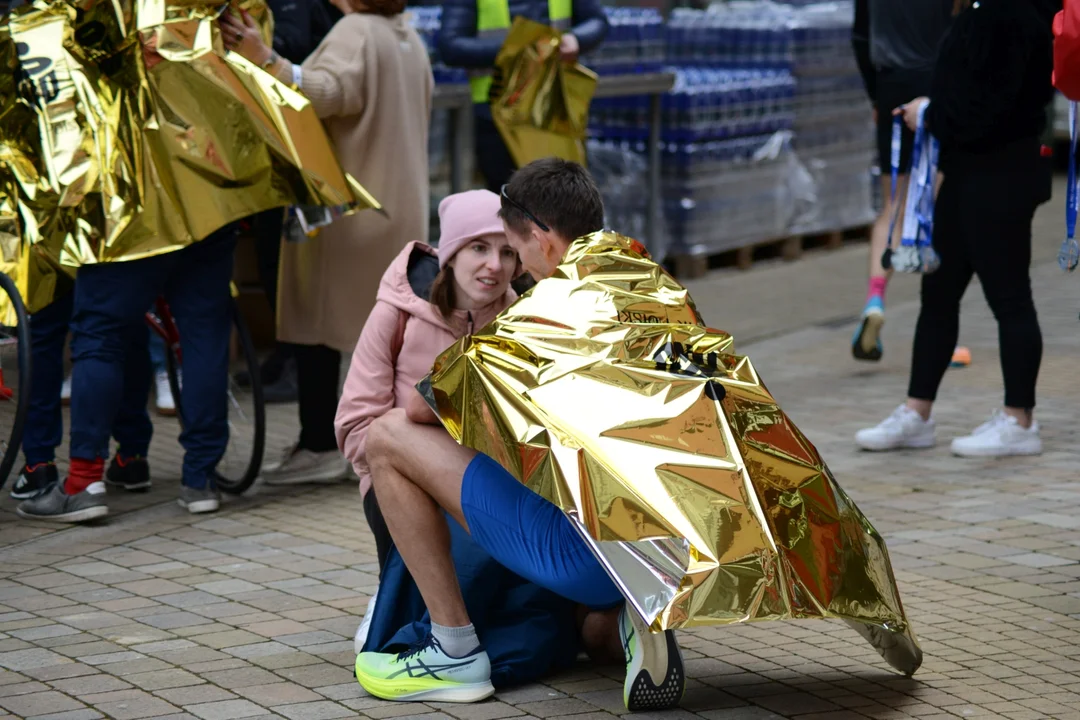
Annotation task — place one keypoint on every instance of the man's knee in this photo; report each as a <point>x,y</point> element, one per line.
<point>381,437</point>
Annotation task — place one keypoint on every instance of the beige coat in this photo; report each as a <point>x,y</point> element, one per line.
<point>370,81</point>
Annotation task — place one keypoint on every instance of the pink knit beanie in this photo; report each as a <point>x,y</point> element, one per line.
<point>465,216</point>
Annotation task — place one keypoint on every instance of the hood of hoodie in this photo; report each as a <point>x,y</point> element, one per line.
<point>406,285</point>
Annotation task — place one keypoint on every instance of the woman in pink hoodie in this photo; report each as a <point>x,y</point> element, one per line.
<point>426,301</point>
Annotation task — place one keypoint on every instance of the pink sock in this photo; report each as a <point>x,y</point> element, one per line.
<point>876,288</point>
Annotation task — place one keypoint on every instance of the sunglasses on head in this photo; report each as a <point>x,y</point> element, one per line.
<point>521,208</point>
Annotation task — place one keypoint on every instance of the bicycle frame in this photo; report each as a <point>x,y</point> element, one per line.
<point>161,321</point>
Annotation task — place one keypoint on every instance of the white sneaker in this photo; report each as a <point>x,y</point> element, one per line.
<point>65,391</point>
<point>905,428</point>
<point>365,625</point>
<point>1000,436</point>
<point>303,466</point>
<point>166,405</point>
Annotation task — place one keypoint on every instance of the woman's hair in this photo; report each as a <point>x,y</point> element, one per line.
<point>386,8</point>
<point>442,292</point>
<point>959,5</point>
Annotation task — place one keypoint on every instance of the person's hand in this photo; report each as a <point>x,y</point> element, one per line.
<point>911,111</point>
<point>242,36</point>
<point>151,57</point>
<point>569,49</point>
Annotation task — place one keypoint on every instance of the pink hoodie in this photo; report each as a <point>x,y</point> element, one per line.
<point>376,383</point>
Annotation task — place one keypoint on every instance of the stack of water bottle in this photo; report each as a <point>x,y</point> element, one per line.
<point>727,127</point>
<point>427,21</point>
<point>634,43</point>
<point>833,122</point>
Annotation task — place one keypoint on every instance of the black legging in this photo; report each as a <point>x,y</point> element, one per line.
<point>318,370</point>
<point>982,226</point>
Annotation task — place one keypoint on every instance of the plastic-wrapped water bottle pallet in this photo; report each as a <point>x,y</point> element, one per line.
<point>690,265</point>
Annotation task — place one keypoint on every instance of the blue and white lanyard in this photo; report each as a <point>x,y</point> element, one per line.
<point>1069,255</point>
<point>916,230</point>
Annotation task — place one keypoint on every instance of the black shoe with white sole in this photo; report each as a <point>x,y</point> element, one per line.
<point>132,474</point>
<point>655,678</point>
<point>32,481</point>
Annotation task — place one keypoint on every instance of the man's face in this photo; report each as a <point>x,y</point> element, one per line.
<point>534,250</point>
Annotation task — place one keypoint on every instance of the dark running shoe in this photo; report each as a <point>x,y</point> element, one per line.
<point>132,474</point>
<point>34,480</point>
<point>54,505</point>
<point>655,678</point>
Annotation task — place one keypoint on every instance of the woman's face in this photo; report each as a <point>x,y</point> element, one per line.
<point>482,271</point>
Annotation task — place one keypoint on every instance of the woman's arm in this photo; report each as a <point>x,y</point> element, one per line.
<point>369,387</point>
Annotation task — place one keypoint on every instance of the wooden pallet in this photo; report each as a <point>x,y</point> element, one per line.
<point>790,248</point>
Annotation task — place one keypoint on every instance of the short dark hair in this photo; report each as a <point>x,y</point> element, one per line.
<point>559,193</point>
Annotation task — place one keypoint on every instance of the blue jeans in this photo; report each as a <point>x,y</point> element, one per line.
<point>110,300</point>
<point>44,429</point>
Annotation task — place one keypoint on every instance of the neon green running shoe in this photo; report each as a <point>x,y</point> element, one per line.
<point>425,672</point>
<point>655,678</point>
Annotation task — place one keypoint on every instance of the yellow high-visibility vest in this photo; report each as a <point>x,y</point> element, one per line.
<point>493,20</point>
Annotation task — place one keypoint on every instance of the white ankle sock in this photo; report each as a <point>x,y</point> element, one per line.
<point>456,641</point>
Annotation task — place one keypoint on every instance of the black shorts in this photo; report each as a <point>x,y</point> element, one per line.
<point>896,88</point>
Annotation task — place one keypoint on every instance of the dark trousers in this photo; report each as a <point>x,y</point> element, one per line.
<point>492,157</point>
<point>318,375</point>
<point>266,227</point>
<point>111,301</point>
<point>44,429</point>
<point>375,521</point>
<point>982,226</point>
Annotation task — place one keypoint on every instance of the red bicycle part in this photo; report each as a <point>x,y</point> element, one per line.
<point>164,325</point>
<point>6,393</point>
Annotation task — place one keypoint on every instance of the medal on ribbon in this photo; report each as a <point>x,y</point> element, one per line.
<point>1069,255</point>
<point>916,252</point>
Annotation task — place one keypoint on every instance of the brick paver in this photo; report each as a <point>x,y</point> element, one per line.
<point>250,613</point>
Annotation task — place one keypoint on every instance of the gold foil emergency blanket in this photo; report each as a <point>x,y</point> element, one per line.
<point>603,391</point>
<point>539,103</point>
<point>126,131</point>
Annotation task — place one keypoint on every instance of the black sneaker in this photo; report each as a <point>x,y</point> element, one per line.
<point>133,474</point>
<point>34,480</point>
<point>54,505</point>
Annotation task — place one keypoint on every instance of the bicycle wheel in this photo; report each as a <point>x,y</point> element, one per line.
<point>243,457</point>
<point>14,376</point>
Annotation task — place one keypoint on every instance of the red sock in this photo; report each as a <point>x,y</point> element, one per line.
<point>82,473</point>
<point>876,288</point>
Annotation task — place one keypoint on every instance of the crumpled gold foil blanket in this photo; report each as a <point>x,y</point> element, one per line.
<point>602,390</point>
<point>539,103</point>
<point>127,130</point>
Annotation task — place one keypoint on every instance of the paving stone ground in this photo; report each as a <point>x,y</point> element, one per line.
<point>250,613</point>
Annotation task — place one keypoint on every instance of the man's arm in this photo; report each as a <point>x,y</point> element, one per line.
<point>590,24</point>
<point>459,45</point>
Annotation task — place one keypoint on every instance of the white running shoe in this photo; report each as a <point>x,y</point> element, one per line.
<point>365,625</point>
<point>298,467</point>
<point>655,677</point>
<point>1000,436</point>
<point>905,428</point>
<point>166,405</point>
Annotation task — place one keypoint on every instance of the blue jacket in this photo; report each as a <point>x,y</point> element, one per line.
<point>459,46</point>
<point>528,632</point>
